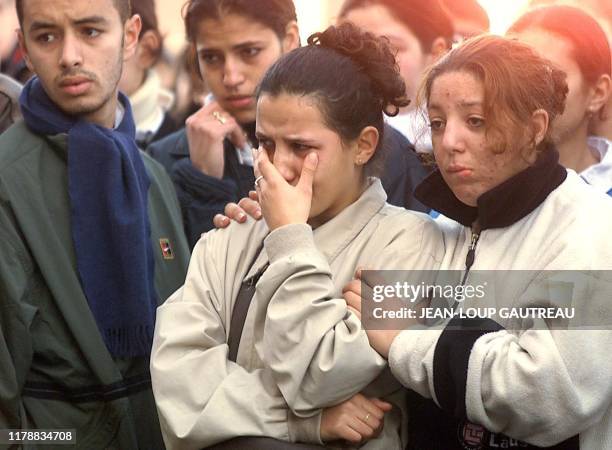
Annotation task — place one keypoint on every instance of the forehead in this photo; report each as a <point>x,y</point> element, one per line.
<point>287,114</point>
<point>64,11</point>
<point>455,89</point>
<point>378,20</point>
<point>231,30</point>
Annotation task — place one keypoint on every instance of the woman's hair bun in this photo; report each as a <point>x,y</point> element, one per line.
<point>373,56</point>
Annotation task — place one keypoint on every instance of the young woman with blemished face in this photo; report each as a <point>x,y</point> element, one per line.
<point>466,161</point>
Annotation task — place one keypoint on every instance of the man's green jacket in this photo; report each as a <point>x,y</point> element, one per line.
<point>55,371</point>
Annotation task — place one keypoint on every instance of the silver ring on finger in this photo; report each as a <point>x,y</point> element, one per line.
<point>257,180</point>
<point>367,416</point>
<point>220,117</point>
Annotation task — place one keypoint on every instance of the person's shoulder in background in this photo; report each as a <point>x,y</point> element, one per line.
<point>170,149</point>
<point>403,170</point>
<point>9,102</point>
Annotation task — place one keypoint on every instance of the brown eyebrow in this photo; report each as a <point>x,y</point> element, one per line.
<point>93,20</point>
<point>298,139</point>
<point>463,105</point>
<point>470,104</point>
<point>247,45</point>
<point>38,25</point>
<point>289,139</point>
<point>240,46</point>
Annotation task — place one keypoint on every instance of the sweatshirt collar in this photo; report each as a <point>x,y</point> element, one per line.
<point>503,205</point>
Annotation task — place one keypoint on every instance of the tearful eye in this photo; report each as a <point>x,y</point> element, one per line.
<point>266,145</point>
<point>298,147</point>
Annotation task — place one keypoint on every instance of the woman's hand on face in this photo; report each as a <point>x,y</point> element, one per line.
<point>238,212</point>
<point>356,420</point>
<point>281,203</point>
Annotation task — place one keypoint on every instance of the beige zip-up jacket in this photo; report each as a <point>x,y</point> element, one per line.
<point>301,348</point>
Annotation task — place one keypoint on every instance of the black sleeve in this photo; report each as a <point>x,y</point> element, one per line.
<point>166,151</point>
<point>451,358</point>
<point>201,197</point>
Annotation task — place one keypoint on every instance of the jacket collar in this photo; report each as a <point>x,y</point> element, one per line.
<point>334,236</point>
<point>503,205</point>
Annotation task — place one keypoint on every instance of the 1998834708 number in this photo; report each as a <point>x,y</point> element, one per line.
<point>42,437</point>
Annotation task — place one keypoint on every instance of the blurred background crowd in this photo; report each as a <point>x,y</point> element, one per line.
<point>165,47</point>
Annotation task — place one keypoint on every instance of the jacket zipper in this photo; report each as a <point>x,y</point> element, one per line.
<point>471,254</point>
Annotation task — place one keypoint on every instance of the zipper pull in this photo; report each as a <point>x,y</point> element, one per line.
<point>471,254</point>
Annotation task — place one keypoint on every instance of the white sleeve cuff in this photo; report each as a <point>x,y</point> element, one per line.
<point>411,359</point>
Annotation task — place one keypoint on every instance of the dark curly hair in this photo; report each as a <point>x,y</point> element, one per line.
<point>353,75</point>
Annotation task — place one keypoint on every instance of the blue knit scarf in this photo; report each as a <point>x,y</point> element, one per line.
<point>108,186</point>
